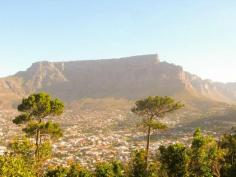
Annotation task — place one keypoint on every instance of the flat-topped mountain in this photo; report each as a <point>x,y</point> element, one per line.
<point>131,77</point>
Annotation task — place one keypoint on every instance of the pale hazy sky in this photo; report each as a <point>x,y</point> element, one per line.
<point>200,35</point>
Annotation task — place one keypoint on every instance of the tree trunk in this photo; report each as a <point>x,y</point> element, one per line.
<point>37,143</point>
<point>148,142</point>
<point>38,140</point>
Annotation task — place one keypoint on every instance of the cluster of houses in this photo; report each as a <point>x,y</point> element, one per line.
<point>98,135</point>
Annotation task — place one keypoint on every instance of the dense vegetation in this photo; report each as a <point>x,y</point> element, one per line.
<point>28,154</point>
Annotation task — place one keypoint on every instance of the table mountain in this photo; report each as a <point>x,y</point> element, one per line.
<point>130,77</point>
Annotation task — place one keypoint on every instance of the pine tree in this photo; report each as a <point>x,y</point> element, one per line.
<point>36,111</point>
<point>152,109</point>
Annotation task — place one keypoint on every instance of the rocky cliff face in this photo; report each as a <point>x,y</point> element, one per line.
<point>132,77</point>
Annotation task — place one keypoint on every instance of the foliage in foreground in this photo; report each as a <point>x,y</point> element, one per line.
<point>28,155</point>
<point>206,157</point>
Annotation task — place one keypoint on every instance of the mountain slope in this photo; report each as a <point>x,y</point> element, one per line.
<point>131,77</point>
<point>10,91</point>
